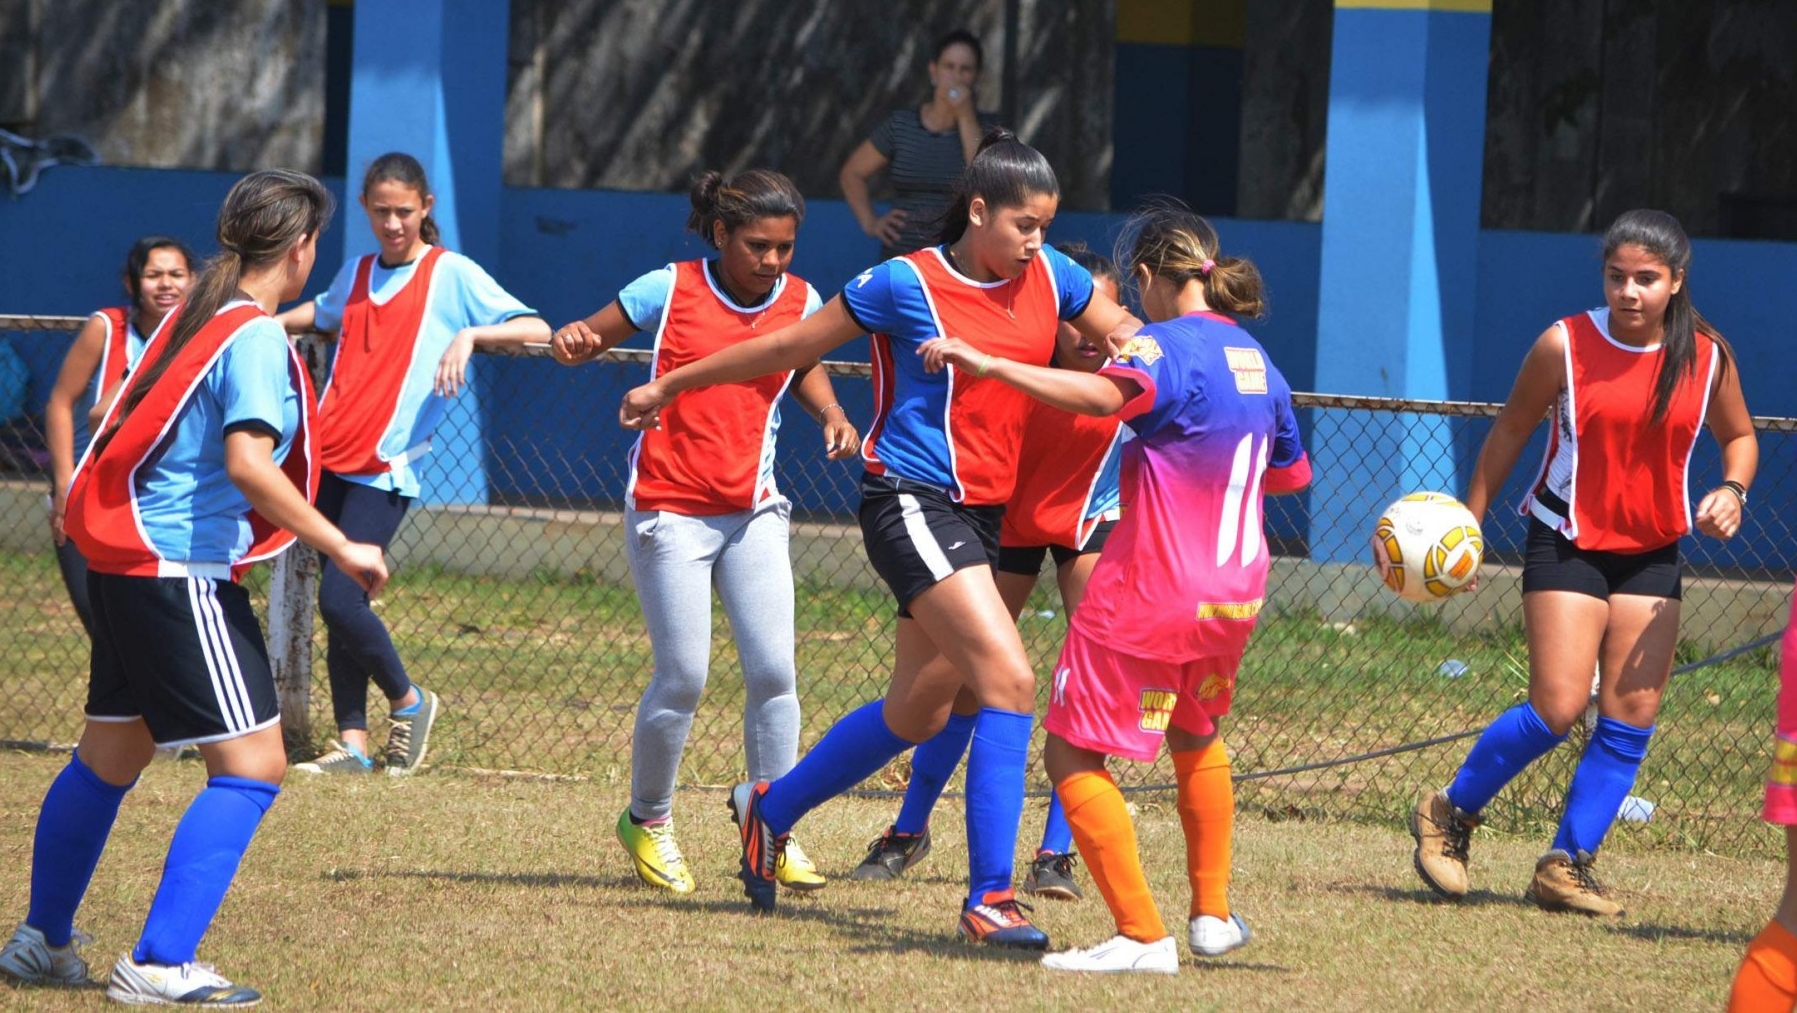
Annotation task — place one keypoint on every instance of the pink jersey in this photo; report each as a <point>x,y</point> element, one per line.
<point>1184,572</point>
<point>1781,783</point>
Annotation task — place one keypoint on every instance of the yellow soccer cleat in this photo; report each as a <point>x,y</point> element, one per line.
<point>656,856</point>
<point>795,872</point>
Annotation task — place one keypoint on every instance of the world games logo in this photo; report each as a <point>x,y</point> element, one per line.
<point>1157,709</point>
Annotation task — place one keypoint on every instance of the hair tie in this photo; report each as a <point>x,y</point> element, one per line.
<point>1204,269</point>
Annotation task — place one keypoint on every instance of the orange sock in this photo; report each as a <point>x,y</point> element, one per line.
<point>1207,811</point>
<point>1107,841</point>
<point>1767,980</point>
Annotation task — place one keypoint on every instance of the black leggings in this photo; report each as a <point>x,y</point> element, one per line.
<point>357,646</point>
<point>74,577</point>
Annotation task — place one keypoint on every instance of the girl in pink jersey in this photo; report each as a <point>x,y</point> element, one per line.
<point>1630,386</point>
<point>702,511</point>
<point>1152,653</point>
<point>1767,978</point>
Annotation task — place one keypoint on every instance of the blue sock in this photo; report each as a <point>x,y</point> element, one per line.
<point>931,766</point>
<point>411,708</point>
<point>1057,836</point>
<point>71,832</point>
<point>1604,776</point>
<point>995,772</point>
<point>202,860</point>
<point>854,749</point>
<point>1516,739</point>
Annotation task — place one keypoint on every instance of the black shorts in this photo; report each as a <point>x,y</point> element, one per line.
<point>1552,563</point>
<point>1027,559</point>
<point>185,654</point>
<point>916,536</point>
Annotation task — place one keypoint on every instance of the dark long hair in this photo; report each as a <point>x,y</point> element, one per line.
<point>262,217</point>
<point>746,197</point>
<point>1664,238</point>
<point>1005,172</point>
<point>399,167</point>
<point>139,258</point>
<point>1178,244</point>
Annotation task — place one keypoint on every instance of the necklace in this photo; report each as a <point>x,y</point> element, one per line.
<point>1009,284</point>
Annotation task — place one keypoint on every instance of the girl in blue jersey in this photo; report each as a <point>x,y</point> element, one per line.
<point>940,459</point>
<point>408,319</point>
<point>201,468</point>
<point>157,272</point>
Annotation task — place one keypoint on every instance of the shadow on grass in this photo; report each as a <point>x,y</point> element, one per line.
<point>1429,898</point>
<point>529,879</point>
<point>1652,933</point>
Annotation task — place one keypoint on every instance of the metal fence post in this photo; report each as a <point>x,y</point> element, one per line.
<point>292,592</point>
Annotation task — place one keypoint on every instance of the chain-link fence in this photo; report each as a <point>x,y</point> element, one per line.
<point>511,598</point>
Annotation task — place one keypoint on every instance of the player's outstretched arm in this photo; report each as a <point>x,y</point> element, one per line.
<point>791,347</point>
<point>1068,390</point>
<point>249,462</point>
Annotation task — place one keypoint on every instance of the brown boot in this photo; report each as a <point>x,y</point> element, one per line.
<point>1566,883</point>
<point>1443,834</point>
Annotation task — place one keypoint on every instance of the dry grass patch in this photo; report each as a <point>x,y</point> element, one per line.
<point>455,893</point>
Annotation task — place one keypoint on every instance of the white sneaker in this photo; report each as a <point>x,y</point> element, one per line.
<point>1119,955</point>
<point>28,960</point>
<point>138,984</point>
<point>1213,937</point>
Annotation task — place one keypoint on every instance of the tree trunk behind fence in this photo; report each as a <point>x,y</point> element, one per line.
<point>292,588</point>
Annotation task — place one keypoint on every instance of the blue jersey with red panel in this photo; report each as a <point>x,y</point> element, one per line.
<point>953,429</point>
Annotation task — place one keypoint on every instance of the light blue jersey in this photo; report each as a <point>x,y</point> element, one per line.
<point>462,295</point>
<point>187,506</point>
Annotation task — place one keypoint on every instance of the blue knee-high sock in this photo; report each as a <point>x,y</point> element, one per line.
<point>72,828</point>
<point>850,752</point>
<point>1057,836</point>
<point>931,766</point>
<point>1604,777</point>
<point>995,770</point>
<point>202,860</point>
<point>1516,739</point>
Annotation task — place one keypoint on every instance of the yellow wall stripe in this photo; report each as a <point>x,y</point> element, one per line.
<point>1219,23</point>
<point>1464,6</point>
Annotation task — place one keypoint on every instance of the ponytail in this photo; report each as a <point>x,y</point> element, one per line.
<point>1178,244</point>
<point>744,198</point>
<point>1661,235</point>
<point>1005,172</point>
<point>262,217</point>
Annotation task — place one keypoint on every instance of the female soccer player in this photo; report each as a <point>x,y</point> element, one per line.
<point>203,467</point>
<point>940,460</point>
<point>407,319</point>
<point>157,272</point>
<point>1630,385</point>
<point>1767,978</point>
<point>923,150</point>
<point>702,510</point>
<point>1153,650</point>
<point>1065,503</point>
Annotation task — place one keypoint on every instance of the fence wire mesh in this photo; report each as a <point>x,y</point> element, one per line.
<point>512,599</point>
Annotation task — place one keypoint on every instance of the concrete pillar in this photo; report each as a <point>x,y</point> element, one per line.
<point>428,78</point>
<point>1400,252</point>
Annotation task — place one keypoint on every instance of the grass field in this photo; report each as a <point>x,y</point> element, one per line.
<point>452,892</point>
<point>543,674</point>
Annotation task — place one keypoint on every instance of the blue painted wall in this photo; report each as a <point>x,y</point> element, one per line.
<point>568,252</point>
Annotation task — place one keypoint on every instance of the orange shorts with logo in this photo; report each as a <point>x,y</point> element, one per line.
<point>1122,706</point>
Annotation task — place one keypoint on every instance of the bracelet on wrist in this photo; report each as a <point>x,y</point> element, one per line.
<point>826,408</point>
<point>1738,489</point>
<point>985,364</point>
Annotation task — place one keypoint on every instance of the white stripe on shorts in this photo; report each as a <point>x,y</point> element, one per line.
<point>221,660</point>
<point>922,539</point>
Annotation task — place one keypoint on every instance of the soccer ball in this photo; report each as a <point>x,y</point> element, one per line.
<point>1427,546</point>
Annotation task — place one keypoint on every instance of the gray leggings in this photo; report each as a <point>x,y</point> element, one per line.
<point>676,560</point>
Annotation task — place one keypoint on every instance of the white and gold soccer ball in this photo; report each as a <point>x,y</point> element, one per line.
<point>1427,546</point>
